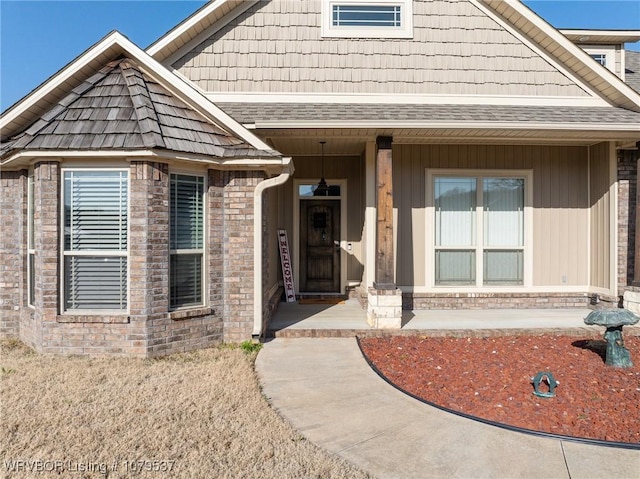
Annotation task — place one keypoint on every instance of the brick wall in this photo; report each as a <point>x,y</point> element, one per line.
<point>13,205</point>
<point>627,166</point>
<point>46,217</point>
<point>493,300</point>
<point>176,331</point>
<point>150,328</point>
<point>237,246</point>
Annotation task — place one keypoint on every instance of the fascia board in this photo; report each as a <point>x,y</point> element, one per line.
<point>585,60</point>
<point>22,157</point>
<point>401,99</point>
<point>170,58</point>
<point>183,89</point>
<point>458,125</point>
<point>175,33</point>
<point>161,50</point>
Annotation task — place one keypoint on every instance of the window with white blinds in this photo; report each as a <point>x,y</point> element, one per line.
<point>479,229</point>
<point>95,239</point>
<point>186,240</point>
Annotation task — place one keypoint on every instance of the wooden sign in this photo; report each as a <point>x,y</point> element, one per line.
<point>285,260</point>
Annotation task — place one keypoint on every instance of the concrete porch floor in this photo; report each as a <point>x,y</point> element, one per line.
<point>349,319</point>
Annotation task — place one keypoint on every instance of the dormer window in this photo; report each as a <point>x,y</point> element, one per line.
<point>367,19</point>
<point>603,54</point>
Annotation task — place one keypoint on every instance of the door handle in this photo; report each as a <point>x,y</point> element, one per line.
<point>336,243</point>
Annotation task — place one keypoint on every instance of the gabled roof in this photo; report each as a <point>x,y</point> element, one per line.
<point>121,107</point>
<point>187,115</point>
<point>510,13</point>
<point>518,16</point>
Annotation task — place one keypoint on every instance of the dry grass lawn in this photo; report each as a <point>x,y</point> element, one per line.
<point>200,414</point>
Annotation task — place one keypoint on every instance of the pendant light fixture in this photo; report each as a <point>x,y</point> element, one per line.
<point>323,188</point>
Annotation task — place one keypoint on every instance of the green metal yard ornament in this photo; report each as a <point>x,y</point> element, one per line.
<point>614,319</point>
<point>537,380</point>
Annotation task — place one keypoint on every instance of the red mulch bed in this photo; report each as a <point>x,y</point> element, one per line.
<point>490,378</point>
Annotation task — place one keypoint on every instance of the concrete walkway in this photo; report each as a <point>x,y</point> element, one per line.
<point>326,390</point>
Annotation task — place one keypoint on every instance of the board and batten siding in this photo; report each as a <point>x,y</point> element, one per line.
<point>276,46</point>
<point>600,212</point>
<point>560,205</point>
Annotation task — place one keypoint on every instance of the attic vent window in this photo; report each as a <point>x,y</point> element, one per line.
<point>367,19</point>
<point>367,16</point>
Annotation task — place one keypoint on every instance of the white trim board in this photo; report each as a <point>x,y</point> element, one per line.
<point>402,99</point>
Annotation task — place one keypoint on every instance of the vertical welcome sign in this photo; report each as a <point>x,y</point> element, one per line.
<point>285,260</point>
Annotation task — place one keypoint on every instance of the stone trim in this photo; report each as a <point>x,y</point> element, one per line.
<point>183,314</point>
<point>494,300</point>
<point>384,308</point>
<point>93,318</point>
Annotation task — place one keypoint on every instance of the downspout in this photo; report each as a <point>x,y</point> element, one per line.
<point>287,171</point>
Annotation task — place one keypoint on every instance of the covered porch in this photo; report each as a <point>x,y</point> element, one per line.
<point>348,319</point>
<point>449,207</point>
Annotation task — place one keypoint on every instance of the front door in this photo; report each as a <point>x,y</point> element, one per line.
<point>320,246</point>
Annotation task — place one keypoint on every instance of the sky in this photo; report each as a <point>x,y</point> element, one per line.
<point>39,37</point>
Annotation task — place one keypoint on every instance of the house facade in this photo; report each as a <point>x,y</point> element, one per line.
<point>448,154</point>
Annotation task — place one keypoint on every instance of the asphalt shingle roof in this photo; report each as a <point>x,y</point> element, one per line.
<point>121,107</point>
<point>632,69</point>
<point>290,112</point>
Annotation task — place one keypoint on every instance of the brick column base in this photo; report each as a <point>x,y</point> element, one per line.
<point>384,308</point>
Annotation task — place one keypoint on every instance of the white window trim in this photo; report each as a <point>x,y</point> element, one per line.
<point>404,31</point>
<point>430,222</point>
<point>343,226</point>
<point>63,253</point>
<point>205,241</point>
<point>608,52</point>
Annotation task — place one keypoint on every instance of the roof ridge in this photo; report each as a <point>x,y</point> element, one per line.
<point>143,106</point>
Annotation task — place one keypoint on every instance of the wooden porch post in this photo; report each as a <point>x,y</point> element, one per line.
<point>384,215</point>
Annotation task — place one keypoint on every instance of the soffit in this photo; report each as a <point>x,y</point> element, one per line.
<point>611,37</point>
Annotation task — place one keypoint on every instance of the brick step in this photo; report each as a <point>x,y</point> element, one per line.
<point>293,333</point>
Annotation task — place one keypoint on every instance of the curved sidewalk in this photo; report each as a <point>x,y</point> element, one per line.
<point>326,390</point>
